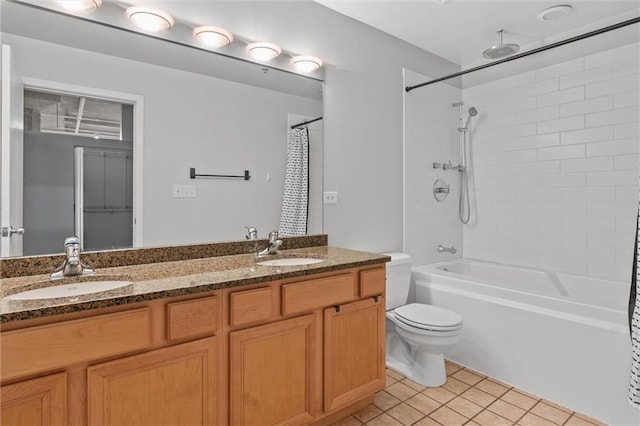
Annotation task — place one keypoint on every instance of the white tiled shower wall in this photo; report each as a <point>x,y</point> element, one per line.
<point>555,166</point>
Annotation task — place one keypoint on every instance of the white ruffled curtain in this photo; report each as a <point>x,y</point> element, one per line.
<point>295,199</point>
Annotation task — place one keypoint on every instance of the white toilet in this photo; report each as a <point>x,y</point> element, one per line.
<point>417,334</point>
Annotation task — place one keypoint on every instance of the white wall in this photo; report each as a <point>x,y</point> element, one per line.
<point>555,157</point>
<point>430,136</point>
<point>191,120</point>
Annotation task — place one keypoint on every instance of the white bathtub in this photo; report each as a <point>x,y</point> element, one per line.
<point>562,337</point>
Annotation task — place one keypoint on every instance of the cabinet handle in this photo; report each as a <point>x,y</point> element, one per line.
<point>375,299</point>
<point>336,307</point>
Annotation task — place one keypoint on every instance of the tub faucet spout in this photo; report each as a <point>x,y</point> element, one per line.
<point>451,249</point>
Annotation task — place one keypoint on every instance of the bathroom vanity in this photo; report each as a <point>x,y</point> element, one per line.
<point>216,340</point>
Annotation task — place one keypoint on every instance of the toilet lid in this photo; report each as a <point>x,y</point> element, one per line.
<point>428,317</point>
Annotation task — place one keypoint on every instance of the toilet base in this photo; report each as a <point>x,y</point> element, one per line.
<point>428,369</point>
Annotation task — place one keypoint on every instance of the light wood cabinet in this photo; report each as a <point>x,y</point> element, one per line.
<point>36,402</point>
<point>273,373</point>
<point>171,386</point>
<point>354,351</point>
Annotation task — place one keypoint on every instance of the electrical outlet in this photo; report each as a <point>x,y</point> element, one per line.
<point>184,191</point>
<point>330,197</point>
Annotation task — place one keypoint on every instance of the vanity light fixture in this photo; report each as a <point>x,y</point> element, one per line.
<point>306,63</point>
<point>264,51</point>
<point>151,20</point>
<point>80,5</point>
<point>213,36</point>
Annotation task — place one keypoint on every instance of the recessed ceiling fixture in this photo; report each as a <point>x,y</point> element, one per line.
<point>555,12</point>
<point>213,36</point>
<point>151,20</point>
<point>306,63</point>
<point>80,5</point>
<point>264,51</point>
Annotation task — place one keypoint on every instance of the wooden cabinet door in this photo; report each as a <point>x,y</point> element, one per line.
<point>354,351</point>
<point>273,373</point>
<point>170,386</point>
<point>41,401</point>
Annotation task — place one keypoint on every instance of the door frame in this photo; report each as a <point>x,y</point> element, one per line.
<point>138,134</point>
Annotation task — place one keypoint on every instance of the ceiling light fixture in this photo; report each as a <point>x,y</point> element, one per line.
<point>151,20</point>
<point>213,36</point>
<point>306,63</point>
<point>264,51</point>
<point>555,12</point>
<point>80,5</point>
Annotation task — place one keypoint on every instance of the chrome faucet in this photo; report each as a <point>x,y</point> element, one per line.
<point>451,249</point>
<point>272,246</point>
<point>252,233</point>
<point>72,265</point>
<point>449,166</point>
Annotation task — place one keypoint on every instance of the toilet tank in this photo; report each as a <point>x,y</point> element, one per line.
<point>398,279</point>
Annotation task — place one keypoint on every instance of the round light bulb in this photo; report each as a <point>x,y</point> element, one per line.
<point>151,20</point>
<point>306,63</point>
<point>264,51</point>
<point>213,36</point>
<point>80,5</point>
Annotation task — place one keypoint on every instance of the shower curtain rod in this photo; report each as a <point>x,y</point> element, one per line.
<point>304,123</point>
<point>529,52</point>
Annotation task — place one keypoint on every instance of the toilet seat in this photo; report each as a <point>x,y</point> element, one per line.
<point>428,317</point>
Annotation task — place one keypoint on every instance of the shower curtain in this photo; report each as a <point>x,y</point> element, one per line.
<point>295,199</point>
<point>634,325</point>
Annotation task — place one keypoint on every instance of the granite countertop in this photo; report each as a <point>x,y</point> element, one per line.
<point>168,279</point>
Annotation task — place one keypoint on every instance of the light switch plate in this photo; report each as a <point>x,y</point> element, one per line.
<point>184,191</point>
<point>330,197</point>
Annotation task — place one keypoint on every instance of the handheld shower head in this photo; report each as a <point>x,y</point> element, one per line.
<point>472,113</point>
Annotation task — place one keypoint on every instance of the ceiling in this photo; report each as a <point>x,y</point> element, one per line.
<point>460,30</point>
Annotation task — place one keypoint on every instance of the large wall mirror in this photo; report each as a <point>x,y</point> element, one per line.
<point>113,122</point>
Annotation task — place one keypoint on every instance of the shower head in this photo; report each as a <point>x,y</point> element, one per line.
<point>473,112</point>
<point>501,50</point>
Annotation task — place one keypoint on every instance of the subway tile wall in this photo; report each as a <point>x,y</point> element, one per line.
<point>555,166</point>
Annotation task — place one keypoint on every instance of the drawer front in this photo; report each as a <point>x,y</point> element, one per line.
<point>372,282</point>
<point>318,293</point>
<point>48,347</point>
<point>251,306</point>
<point>191,318</point>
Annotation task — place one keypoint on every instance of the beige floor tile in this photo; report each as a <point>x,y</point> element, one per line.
<point>384,400</point>
<point>464,407</point>
<point>455,386</point>
<point>394,374</point>
<point>530,419</point>
<point>367,413</point>
<point>467,377</point>
<point>492,387</point>
<point>487,418</point>
<point>427,421</point>
<point>439,394</point>
<point>453,363</point>
<point>477,373</point>
<point>423,403</point>
<point>481,398</point>
<point>405,414</point>
<point>577,421</point>
<point>472,423</point>
<point>550,413</point>
<point>558,406</point>
<point>389,381</point>
<point>348,421</point>
<point>412,384</point>
<point>519,400</point>
<point>451,367</point>
<point>401,391</point>
<point>506,410</point>
<point>448,417</point>
<point>384,420</point>
<point>589,419</point>
<point>530,395</point>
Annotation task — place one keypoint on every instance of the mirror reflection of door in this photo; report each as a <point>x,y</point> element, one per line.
<point>55,126</point>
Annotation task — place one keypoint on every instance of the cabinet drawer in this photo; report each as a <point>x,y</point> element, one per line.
<point>372,282</point>
<point>251,306</point>
<point>191,318</point>
<point>318,293</point>
<point>48,347</point>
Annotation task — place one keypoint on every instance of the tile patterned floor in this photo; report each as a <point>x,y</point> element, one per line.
<point>468,398</point>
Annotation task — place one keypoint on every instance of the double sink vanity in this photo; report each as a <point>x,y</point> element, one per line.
<point>194,335</point>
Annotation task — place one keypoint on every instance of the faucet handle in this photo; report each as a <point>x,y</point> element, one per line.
<point>71,241</point>
<point>273,236</point>
<point>252,233</point>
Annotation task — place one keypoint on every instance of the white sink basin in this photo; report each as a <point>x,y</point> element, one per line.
<point>68,290</point>
<point>290,261</point>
